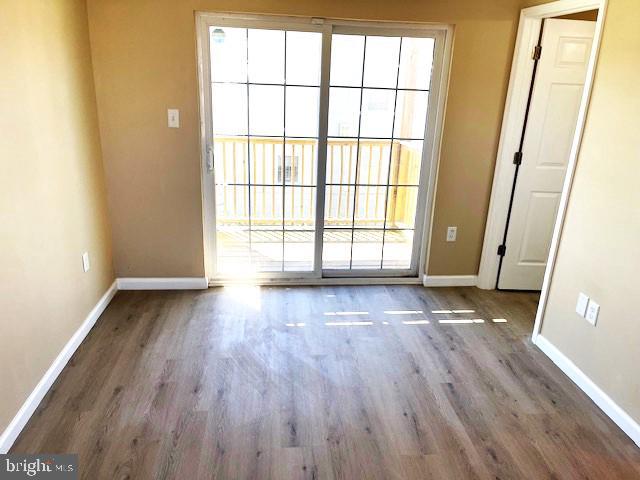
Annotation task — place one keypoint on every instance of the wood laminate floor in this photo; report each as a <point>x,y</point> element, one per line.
<point>375,382</point>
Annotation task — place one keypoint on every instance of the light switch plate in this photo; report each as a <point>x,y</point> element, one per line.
<point>592,312</point>
<point>86,263</point>
<point>581,306</point>
<point>452,233</point>
<point>173,118</point>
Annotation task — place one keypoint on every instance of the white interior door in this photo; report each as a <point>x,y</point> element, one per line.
<point>550,127</point>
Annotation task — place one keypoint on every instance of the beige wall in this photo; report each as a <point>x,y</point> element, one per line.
<point>144,62</point>
<point>589,15</point>
<point>52,193</point>
<point>600,248</point>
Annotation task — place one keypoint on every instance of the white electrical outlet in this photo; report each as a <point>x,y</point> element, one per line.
<point>86,263</point>
<point>173,118</point>
<point>592,312</point>
<point>452,233</point>
<point>581,306</point>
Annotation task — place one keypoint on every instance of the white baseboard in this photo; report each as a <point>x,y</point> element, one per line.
<point>599,397</point>
<point>29,406</point>
<point>163,283</point>
<point>450,280</point>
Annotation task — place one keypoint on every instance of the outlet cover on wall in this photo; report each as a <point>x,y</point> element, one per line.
<point>452,233</point>
<point>592,312</point>
<point>581,305</point>
<point>86,263</point>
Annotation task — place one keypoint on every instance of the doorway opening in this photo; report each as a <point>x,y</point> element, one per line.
<point>542,129</point>
<point>540,164</point>
<point>536,147</point>
<point>320,143</point>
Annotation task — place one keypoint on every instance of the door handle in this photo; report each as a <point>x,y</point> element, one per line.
<point>209,158</point>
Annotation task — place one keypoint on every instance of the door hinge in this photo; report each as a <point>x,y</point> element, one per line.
<point>502,249</point>
<point>537,51</point>
<point>517,158</point>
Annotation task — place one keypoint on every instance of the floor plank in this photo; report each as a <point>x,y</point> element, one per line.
<point>371,382</point>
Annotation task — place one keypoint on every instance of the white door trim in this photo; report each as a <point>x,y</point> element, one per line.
<point>443,34</point>
<point>521,71</point>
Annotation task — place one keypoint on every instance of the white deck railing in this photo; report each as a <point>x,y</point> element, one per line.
<point>253,185</point>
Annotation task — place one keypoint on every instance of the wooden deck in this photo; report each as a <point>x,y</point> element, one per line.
<point>242,252</point>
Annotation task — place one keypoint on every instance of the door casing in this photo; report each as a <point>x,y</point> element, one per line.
<point>515,105</point>
<point>443,35</point>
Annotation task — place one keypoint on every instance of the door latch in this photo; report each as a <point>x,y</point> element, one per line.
<point>209,158</point>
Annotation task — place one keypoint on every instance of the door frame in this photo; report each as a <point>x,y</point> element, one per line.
<point>512,124</point>
<point>430,156</point>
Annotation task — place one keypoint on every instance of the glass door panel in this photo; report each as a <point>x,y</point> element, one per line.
<point>273,89</point>
<point>265,95</point>
<point>378,101</point>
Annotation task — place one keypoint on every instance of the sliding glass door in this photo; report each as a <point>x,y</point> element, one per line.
<point>265,94</point>
<point>379,93</point>
<point>314,137</point>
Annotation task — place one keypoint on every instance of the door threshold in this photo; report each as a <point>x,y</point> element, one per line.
<point>317,281</point>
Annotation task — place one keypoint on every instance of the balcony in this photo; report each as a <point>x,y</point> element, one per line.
<point>265,206</point>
